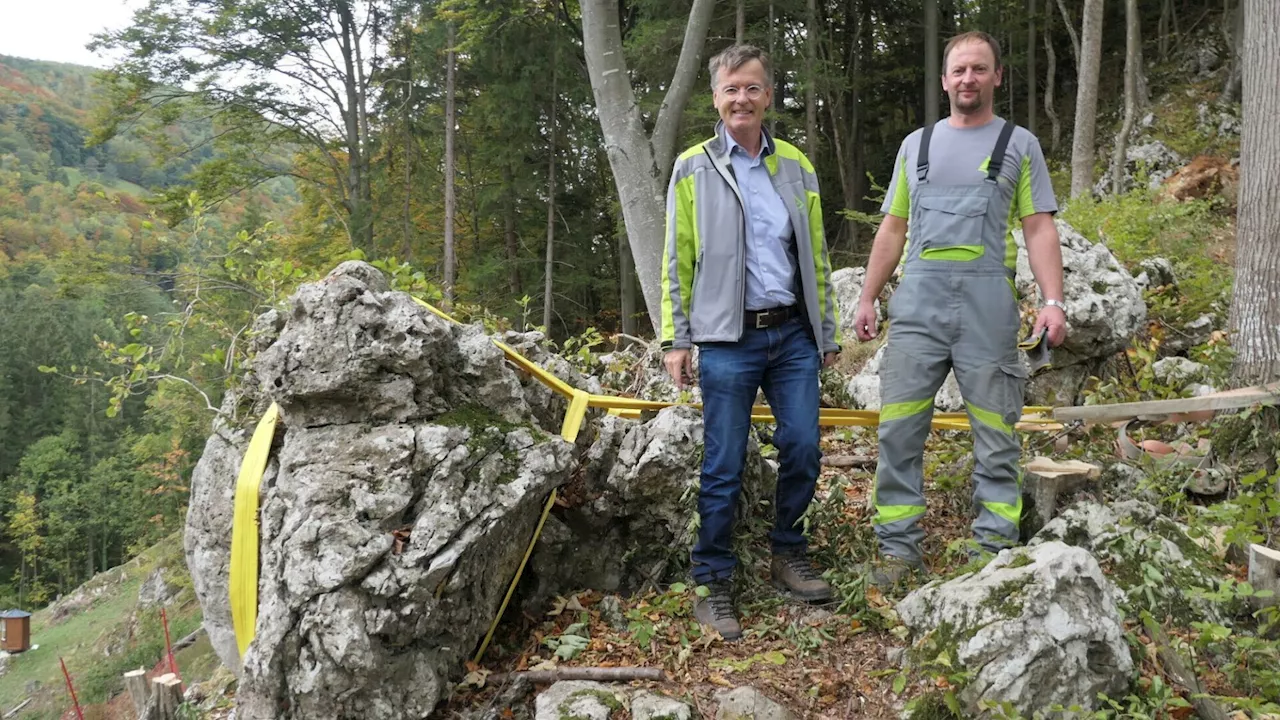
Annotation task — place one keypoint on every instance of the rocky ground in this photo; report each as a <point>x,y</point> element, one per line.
<point>413,463</point>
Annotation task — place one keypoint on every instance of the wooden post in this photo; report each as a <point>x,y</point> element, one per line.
<point>1264,573</point>
<point>135,683</point>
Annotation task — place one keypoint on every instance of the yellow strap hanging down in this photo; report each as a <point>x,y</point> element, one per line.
<point>244,531</point>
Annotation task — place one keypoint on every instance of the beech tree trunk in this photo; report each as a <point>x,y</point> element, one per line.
<point>932,65</point>
<point>1255,313</point>
<point>450,255</point>
<point>811,78</point>
<point>549,270</point>
<point>1071,31</point>
<point>510,241</point>
<point>740,27</point>
<point>1131,60</point>
<point>1031,66</point>
<point>1082,149</point>
<point>641,164</point>
<point>1050,71</point>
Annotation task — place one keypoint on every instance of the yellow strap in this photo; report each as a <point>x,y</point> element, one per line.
<point>244,531</point>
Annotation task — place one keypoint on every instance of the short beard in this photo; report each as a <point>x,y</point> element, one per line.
<point>969,109</point>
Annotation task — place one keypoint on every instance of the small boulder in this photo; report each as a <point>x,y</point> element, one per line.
<point>579,699</point>
<point>1035,626</point>
<point>747,703</point>
<point>863,388</point>
<point>651,706</point>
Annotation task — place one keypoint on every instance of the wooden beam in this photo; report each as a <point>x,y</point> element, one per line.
<point>1225,400</point>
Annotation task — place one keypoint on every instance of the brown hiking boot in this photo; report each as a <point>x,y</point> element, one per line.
<point>715,611</point>
<point>797,575</point>
<point>893,572</point>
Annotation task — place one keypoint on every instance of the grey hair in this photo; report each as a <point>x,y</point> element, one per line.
<point>734,57</point>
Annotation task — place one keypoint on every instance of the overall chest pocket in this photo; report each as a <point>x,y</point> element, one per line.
<point>950,227</point>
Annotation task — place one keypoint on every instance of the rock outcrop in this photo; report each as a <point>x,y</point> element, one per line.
<point>1035,626</point>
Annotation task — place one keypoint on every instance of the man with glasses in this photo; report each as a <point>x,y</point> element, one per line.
<point>747,278</point>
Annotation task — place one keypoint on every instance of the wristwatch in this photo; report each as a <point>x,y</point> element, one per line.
<point>1056,303</point>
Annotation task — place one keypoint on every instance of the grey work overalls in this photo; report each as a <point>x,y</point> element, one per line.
<point>956,307</point>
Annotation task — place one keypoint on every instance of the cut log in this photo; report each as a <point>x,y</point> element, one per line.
<point>135,683</point>
<point>1206,708</point>
<point>848,461</point>
<point>1264,573</point>
<point>1044,480</point>
<point>1225,400</point>
<point>600,674</point>
<point>18,709</point>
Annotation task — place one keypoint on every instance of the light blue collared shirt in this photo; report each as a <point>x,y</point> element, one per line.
<point>771,262</point>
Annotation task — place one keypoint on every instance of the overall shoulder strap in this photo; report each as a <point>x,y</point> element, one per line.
<point>997,154</point>
<point>922,156</point>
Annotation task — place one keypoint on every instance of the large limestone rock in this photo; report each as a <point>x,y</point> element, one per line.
<point>847,284</point>
<point>1036,626</point>
<point>1130,536</point>
<point>1152,160</point>
<point>629,514</point>
<point>1105,308</point>
<point>394,513</point>
<point>863,389</point>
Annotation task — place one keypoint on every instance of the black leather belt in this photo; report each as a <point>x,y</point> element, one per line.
<point>761,319</point>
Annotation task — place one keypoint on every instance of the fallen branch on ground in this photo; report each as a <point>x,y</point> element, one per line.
<point>848,461</point>
<point>1206,708</point>
<point>601,674</point>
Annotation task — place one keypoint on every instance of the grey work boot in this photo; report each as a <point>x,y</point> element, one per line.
<point>716,610</point>
<point>797,575</point>
<point>893,571</point>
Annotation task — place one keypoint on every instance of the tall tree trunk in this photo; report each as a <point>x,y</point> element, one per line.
<point>407,233</point>
<point>362,118</point>
<point>627,285</point>
<point>1131,44</point>
<point>548,298</point>
<point>1050,70</point>
<point>1255,314</point>
<point>1166,11</point>
<point>641,165</point>
<point>811,81</point>
<point>509,231</point>
<point>932,66</point>
<point>1233,29</point>
<point>1071,32</point>
<point>359,229</point>
<point>450,252</point>
<point>1031,66</point>
<point>777,76</point>
<point>740,27</point>
<point>1082,149</point>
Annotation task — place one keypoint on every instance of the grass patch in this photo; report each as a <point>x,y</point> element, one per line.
<point>83,638</point>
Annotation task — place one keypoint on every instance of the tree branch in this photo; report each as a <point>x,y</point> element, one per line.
<point>682,81</point>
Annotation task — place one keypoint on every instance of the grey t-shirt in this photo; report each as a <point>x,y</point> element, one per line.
<point>959,156</point>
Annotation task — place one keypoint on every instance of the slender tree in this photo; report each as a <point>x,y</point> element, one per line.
<point>641,163</point>
<point>1133,42</point>
<point>450,167</point>
<point>1082,149</point>
<point>932,66</point>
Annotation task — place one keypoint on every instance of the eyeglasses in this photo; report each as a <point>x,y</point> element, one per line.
<point>753,92</point>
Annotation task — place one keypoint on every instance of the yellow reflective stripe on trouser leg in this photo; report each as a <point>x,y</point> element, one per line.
<point>989,418</point>
<point>896,411</point>
<point>1012,513</point>
<point>886,514</point>
<point>243,581</point>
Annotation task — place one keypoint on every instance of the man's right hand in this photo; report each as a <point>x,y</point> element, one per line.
<point>679,364</point>
<point>864,321</point>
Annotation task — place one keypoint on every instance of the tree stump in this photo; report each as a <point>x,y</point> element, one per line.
<point>166,696</point>
<point>1264,573</point>
<point>1044,480</point>
<point>135,683</point>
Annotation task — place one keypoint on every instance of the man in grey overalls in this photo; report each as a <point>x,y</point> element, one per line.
<point>958,186</point>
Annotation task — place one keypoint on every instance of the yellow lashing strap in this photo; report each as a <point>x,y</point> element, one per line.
<point>244,533</point>
<point>243,582</point>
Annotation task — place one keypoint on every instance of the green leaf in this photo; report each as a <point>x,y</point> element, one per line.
<point>47,369</point>
<point>899,683</point>
<point>775,657</point>
<point>678,587</point>
<point>702,591</point>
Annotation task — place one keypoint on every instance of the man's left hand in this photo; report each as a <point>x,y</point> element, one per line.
<point>1055,320</point>
<point>829,359</point>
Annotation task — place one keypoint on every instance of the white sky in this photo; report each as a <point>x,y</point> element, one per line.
<point>59,29</point>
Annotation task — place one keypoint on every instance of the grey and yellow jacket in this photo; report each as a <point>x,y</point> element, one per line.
<point>704,256</point>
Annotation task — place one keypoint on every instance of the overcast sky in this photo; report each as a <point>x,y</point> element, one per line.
<point>60,29</point>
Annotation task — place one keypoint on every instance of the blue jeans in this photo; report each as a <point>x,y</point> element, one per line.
<point>784,362</point>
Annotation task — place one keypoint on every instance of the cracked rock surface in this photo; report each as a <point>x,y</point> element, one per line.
<point>405,486</point>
